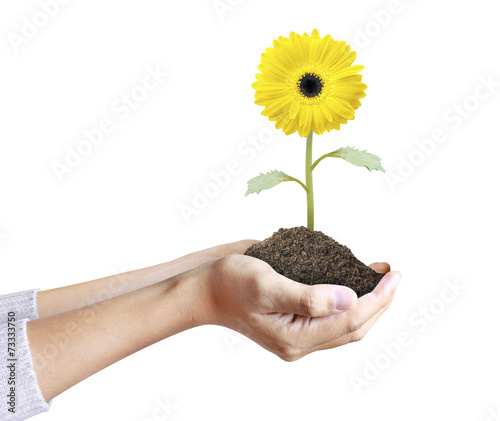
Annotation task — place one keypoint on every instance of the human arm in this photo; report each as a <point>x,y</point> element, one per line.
<point>68,347</point>
<point>59,300</point>
<point>239,292</point>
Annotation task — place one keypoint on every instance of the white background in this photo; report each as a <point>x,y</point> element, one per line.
<point>120,208</point>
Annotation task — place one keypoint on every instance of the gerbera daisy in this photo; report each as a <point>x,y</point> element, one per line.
<point>308,83</point>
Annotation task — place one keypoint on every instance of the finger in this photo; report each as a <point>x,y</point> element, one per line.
<point>327,329</point>
<point>381,267</point>
<point>370,304</point>
<point>363,330</point>
<point>288,296</point>
<point>356,335</point>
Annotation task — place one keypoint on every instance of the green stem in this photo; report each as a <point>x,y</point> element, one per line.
<point>326,155</point>
<point>297,181</point>
<point>309,183</point>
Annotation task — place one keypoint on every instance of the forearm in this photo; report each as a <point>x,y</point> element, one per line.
<point>89,339</point>
<point>59,300</point>
<point>71,297</point>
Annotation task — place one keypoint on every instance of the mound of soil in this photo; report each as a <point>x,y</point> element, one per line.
<point>311,257</point>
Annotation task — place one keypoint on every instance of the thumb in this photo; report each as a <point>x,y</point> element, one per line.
<point>312,300</point>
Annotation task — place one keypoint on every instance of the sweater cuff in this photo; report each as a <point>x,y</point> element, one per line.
<point>21,397</point>
<point>22,303</point>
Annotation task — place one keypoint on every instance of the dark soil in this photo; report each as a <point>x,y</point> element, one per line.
<point>311,257</point>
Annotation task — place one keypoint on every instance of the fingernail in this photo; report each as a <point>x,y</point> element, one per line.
<point>342,299</point>
<point>395,280</point>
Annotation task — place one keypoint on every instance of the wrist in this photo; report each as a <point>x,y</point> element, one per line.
<point>194,295</point>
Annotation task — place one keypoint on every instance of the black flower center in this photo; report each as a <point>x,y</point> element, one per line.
<point>310,85</point>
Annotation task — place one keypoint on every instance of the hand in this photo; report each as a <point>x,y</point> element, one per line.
<point>286,317</point>
<point>222,250</point>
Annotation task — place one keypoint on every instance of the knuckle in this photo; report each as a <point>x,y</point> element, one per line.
<point>311,304</point>
<point>354,324</point>
<point>265,267</point>
<point>231,259</point>
<point>357,335</point>
<point>290,357</point>
<point>288,353</point>
<point>382,298</point>
<point>229,263</point>
<point>224,263</point>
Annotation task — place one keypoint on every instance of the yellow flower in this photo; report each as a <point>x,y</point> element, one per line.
<point>308,83</point>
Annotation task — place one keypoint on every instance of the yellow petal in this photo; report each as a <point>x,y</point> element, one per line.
<point>326,112</point>
<point>294,109</point>
<point>341,108</point>
<point>318,121</point>
<point>346,71</point>
<point>305,117</point>
<point>281,104</point>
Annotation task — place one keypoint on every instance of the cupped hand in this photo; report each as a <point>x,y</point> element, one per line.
<point>286,317</point>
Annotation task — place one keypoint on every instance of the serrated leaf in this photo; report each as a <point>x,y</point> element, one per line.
<point>266,181</point>
<point>357,157</point>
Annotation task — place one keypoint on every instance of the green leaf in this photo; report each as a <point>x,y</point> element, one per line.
<point>356,157</point>
<point>269,180</point>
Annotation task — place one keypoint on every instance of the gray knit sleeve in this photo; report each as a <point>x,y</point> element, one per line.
<point>22,303</point>
<point>20,395</point>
